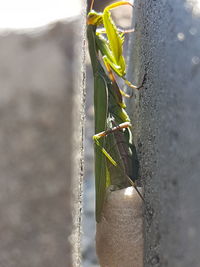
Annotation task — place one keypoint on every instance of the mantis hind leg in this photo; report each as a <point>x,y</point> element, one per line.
<point>121,126</point>
<point>96,137</point>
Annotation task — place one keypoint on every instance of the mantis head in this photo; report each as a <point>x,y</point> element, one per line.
<point>94,18</point>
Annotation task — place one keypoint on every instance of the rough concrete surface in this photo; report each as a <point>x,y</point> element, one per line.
<point>36,90</point>
<point>166,49</point>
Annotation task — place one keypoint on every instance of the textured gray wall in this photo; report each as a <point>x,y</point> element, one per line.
<point>166,49</point>
<point>36,93</point>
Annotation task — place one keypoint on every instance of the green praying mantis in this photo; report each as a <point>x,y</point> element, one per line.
<point>114,151</point>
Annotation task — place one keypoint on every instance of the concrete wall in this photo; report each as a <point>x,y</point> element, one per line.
<point>37,92</point>
<point>166,50</point>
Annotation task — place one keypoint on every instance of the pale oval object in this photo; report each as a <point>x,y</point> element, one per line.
<point>119,235</point>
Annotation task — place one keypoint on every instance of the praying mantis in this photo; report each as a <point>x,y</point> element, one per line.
<point>113,139</point>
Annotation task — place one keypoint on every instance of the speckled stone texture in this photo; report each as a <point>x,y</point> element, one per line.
<point>166,121</point>
<point>119,236</point>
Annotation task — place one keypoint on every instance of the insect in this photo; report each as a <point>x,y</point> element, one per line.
<point>113,138</point>
<point>112,48</point>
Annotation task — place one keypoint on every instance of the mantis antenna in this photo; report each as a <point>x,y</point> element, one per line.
<point>92,4</point>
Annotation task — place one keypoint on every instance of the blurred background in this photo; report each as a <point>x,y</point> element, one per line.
<point>36,90</point>
<point>38,54</point>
